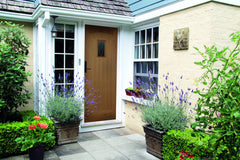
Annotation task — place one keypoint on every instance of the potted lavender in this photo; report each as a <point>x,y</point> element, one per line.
<point>64,105</point>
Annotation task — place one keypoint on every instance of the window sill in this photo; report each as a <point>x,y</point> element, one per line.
<point>136,100</point>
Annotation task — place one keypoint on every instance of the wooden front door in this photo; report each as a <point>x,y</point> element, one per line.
<point>101,71</point>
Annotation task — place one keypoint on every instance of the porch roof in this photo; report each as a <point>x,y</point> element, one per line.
<point>117,7</point>
<point>17,6</point>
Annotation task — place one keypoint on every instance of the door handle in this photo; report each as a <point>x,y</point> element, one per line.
<point>85,69</point>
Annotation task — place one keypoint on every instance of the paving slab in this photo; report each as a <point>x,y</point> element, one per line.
<point>78,156</point>
<point>106,134</point>
<point>114,141</point>
<point>95,145</point>
<point>87,137</point>
<point>108,154</point>
<point>68,149</point>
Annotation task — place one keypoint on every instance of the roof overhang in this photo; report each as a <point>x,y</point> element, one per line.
<point>177,6</point>
<point>70,14</point>
<point>16,16</point>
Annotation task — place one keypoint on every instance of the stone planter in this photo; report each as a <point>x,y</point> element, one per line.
<point>66,132</point>
<point>154,141</point>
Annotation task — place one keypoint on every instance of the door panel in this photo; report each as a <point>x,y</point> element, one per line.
<point>101,70</point>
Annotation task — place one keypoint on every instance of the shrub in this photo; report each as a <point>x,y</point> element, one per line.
<point>167,109</point>
<point>13,52</point>
<point>218,111</point>
<point>174,141</point>
<point>162,116</point>
<point>10,131</point>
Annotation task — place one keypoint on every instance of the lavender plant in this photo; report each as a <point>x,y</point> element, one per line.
<point>168,108</point>
<point>65,103</point>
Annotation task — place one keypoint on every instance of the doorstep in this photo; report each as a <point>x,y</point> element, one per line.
<point>100,125</point>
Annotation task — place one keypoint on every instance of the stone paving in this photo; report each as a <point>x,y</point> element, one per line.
<point>114,144</point>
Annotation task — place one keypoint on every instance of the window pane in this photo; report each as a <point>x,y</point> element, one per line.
<point>69,76</point>
<point>149,54</point>
<point>137,37</point>
<point>142,52</point>
<point>69,61</point>
<point>143,36</point>
<point>143,81</point>
<point>69,46</point>
<point>137,67</point>
<point>69,31</point>
<point>136,52</point>
<point>70,88</point>
<point>60,30</point>
<point>58,76</point>
<point>144,67</point>
<point>155,67</point>
<point>101,48</point>
<point>59,45</point>
<point>59,61</point>
<point>150,67</point>
<point>155,50</point>
<point>149,35</point>
<point>155,34</point>
<point>154,84</point>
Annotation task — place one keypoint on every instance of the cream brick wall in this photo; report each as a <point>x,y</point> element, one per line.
<point>133,118</point>
<point>28,27</point>
<point>209,24</point>
<point>226,20</point>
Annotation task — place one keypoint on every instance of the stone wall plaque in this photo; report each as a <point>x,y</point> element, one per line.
<point>180,39</point>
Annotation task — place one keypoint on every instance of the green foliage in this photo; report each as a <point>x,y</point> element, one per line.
<point>13,52</point>
<point>10,131</point>
<point>64,109</point>
<point>169,109</point>
<point>163,116</point>
<point>175,141</point>
<point>218,109</point>
<point>37,134</point>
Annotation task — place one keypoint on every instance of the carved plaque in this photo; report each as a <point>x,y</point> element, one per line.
<point>180,39</point>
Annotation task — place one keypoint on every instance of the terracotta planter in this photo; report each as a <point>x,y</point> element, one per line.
<point>36,153</point>
<point>129,92</point>
<point>66,132</point>
<point>154,141</point>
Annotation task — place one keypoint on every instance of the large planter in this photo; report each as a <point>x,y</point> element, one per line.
<point>36,152</point>
<point>154,141</point>
<point>66,132</point>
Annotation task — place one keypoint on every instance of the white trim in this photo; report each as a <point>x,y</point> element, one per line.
<point>100,125</point>
<point>72,14</point>
<point>15,16</point>
<point>46,18</point>
<point>177,6</point>
<point>230,2</point>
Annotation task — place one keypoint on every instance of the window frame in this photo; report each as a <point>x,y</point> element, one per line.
<point>138,58</point>
<point>65,54</point>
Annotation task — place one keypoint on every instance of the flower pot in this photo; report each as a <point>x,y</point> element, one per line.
<point>129,92</point>
<point>36,153</point>
<point>66,132</point>
<point>154,141</point>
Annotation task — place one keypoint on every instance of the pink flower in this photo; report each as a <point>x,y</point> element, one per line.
<point>32,127</point>
<point>190,156</point>
<point>43,125</point>
<point>37,117</point>
<point>181,157</point>
<point>184,153</point>
<point>38,124</point>
<point>219,114</point>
